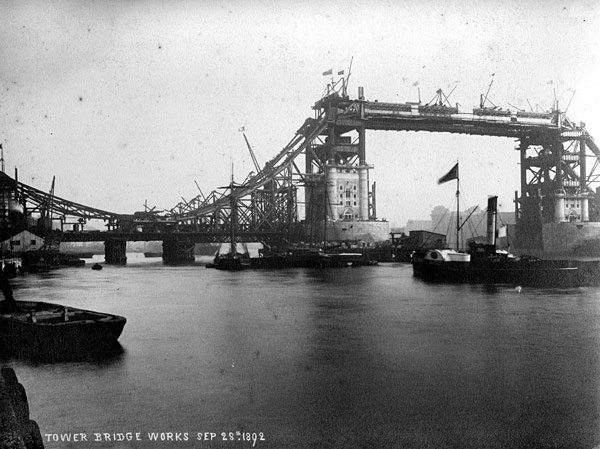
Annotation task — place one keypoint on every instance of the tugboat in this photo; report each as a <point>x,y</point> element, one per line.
<point>483,263</point>
<point>444,264</point>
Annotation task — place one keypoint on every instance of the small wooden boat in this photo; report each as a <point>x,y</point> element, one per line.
<point>43,328</point>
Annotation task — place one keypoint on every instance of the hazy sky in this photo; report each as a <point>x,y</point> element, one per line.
<point>127,101</point>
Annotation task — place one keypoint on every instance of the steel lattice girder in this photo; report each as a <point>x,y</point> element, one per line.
<point>34,200</point>
<point>270,208</point>
<point>559,166</point>
<point>264,200</point>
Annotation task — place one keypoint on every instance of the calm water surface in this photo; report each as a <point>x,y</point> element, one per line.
<point>340,358</point>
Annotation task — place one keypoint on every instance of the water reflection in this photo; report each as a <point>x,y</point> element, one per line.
<point>108,354</point>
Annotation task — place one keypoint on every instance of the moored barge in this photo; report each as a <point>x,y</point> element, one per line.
<point>45,328</point>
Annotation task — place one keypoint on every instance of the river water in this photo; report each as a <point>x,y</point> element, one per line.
<point>342,358</point>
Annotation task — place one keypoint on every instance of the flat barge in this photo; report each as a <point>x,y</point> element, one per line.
<point>44,328</point>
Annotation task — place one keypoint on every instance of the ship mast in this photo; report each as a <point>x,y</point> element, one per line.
<point>457,213</point>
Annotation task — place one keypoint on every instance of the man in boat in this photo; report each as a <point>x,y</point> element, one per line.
<point>9,300</point>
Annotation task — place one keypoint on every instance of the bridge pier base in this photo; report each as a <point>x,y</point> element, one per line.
<point>114,252</point>
<point>178,252</point>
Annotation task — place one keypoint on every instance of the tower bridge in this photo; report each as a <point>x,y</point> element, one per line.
<point>324,168</point>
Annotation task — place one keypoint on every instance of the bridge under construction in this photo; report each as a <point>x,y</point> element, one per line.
<point>324,168</point>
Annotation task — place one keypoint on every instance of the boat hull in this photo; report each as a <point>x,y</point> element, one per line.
<point>231,263</point>
<point>303,260</point>
<point>538,273</point>
<point>43,328</point>
<point>311,258</point>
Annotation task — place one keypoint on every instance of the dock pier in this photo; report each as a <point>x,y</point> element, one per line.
<point>178,251</point>
<point>115,251</point>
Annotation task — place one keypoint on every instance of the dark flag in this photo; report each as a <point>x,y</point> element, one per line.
<point>452,174</point>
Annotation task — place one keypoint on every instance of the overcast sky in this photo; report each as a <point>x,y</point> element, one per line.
<point>128,101</point>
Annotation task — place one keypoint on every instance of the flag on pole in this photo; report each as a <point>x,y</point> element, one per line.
<point>328,72</point>
<point>242,129</point>
<point>452,174</point>
<point>341,72</point>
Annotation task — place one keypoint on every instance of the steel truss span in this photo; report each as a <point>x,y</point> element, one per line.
<point>559,159</point>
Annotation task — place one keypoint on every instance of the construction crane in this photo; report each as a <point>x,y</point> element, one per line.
<point>254,160</point>
<point>50,243</point>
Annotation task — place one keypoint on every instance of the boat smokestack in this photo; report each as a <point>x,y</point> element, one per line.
<point>492,211</point>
